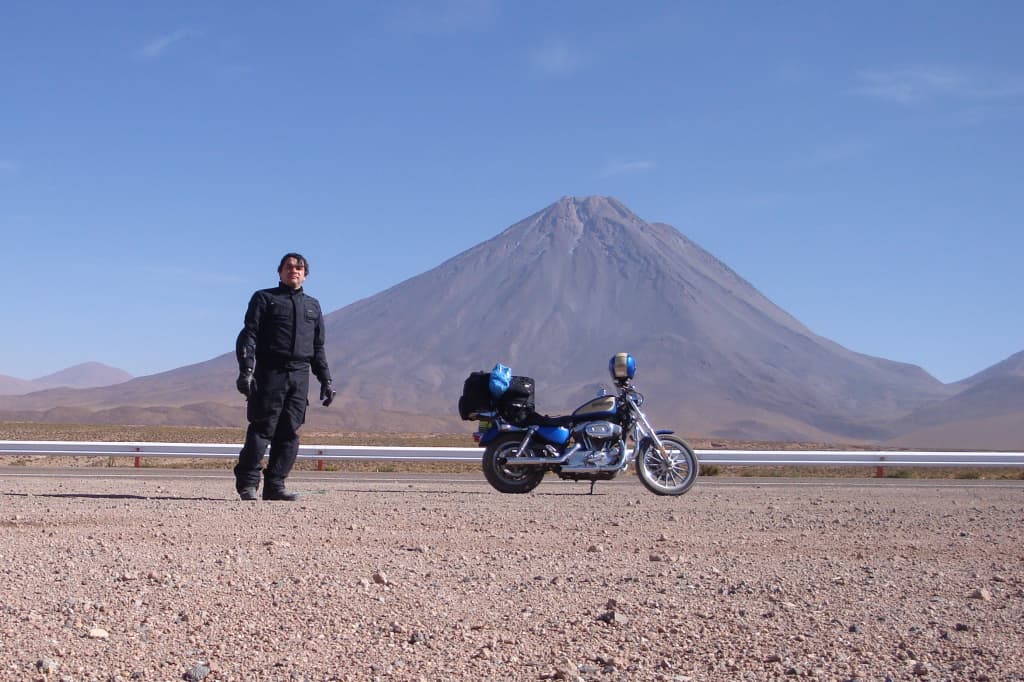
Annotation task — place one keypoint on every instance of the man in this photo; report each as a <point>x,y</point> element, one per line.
<point>282,338</point>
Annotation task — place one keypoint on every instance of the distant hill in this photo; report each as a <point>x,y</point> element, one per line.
<point>989,409</point>
<point>554,296</point>
<point>1012,366</point>
<point>84,375</point>
<point>14,386</point>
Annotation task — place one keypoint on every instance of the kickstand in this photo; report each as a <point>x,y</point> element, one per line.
<point>592,487</point>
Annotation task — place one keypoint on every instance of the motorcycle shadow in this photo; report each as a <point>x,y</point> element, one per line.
<point>471,493</point>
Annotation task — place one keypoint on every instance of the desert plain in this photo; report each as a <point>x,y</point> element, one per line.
<point>156,574</point>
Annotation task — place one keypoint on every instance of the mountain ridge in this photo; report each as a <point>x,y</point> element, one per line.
<point>554,296</point>
<point>83,375</point>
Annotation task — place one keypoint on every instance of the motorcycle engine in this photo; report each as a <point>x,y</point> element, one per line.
<point>600,442</point>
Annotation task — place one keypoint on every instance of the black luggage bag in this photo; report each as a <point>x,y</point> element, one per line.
<point>516,404</point>
<point>476,396</point>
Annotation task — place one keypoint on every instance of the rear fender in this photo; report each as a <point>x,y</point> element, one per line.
<point>488,435</point>
<point>493,432</point>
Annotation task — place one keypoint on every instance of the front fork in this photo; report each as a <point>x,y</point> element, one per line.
<point>647,429</point>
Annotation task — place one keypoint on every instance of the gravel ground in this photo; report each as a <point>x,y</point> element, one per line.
<point>152,576</point>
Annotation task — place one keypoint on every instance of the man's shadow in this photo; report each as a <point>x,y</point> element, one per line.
<point>117,496</point>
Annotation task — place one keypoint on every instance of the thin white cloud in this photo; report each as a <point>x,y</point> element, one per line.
<point>157,47</point>
<point>627,168</point>
<point>919,84</point>
<point>556,58</point>
<point>447,16</point>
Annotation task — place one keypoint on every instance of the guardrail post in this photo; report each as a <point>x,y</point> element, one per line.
<point>138,459</point>
<point>880,470</point>
<point>319,462</point>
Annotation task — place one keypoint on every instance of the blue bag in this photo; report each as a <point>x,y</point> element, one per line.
<point>501,377</point>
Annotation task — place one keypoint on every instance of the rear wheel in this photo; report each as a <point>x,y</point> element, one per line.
<point>671,475</point>
<point>504,478</point>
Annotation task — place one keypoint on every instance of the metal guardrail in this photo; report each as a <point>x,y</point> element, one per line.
<point>860,457</point>
<point>876,458</point>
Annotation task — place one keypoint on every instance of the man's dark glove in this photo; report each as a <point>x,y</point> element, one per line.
<point>327,394</point>
<point>245,383</point>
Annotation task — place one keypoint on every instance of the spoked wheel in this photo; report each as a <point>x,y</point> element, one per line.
<point>673,475</point>
<point>503,478</point>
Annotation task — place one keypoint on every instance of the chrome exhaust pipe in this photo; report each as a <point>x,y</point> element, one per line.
<point>516,462</point>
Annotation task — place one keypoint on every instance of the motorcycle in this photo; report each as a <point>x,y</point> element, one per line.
<point>597,442</point>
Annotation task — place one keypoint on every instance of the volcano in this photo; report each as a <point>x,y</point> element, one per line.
<point>554,296</point>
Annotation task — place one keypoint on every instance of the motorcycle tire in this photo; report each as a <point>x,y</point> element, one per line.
<point>672,476</point>
<point>505,479</point>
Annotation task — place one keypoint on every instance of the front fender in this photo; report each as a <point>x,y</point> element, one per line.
<point>647,439</point>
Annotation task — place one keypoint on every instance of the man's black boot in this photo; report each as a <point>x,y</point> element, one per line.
<point>279,494</point>
<point>248,493</point>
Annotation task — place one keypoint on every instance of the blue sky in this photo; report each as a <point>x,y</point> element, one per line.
<point>859,163</point>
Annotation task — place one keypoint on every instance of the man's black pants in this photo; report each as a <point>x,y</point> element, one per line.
<point>275,413</point>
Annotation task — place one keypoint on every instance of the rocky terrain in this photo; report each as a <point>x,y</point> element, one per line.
<point>165,575</point>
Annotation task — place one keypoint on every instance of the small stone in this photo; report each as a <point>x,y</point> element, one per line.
<point>613,618</point>
<point>381,578</point>
<point>982,594</point>
<point>98,633</point>
<point>47,666</point>
<point>595,548</point>
<point>197,672</point>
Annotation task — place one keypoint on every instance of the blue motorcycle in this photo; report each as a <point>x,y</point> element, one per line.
<point>597,442</point>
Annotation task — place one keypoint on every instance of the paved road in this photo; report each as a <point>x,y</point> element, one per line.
<point>309,479</point>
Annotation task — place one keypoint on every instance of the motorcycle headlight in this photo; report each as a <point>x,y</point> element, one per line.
<point>638,398</point>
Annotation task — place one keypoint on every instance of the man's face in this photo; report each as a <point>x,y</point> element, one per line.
<point>293,273</point>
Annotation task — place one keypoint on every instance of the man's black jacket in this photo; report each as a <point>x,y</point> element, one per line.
<point>284,328</point>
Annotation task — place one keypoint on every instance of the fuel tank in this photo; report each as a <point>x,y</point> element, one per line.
<point>600,407</point>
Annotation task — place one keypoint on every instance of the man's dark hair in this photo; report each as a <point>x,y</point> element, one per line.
<point>298,257</point>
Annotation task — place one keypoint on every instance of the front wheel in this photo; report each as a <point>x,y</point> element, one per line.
<point>509,479</point>
<point>673,475</point>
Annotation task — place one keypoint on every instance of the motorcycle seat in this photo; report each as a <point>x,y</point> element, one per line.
<point>544,420</point>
